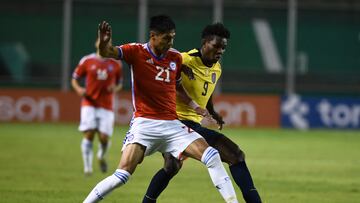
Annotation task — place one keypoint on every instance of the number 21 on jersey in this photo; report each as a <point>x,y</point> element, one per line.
<point>159,76</point>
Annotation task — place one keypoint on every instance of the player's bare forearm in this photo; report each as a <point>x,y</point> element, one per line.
<point>78,89</point>
<point>210,106</point>
<point>108,51</point>
<point>105,47</point>
<point>184,96</point>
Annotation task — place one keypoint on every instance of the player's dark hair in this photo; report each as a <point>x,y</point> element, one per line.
<point>161,24</point>
<point>216,29</point>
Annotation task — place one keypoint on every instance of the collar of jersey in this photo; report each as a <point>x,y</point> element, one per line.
<point>199,55</point>
<point>152,54</point>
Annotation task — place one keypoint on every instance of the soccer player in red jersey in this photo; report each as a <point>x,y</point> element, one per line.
<point>155,74</point>
<point>103,77</point>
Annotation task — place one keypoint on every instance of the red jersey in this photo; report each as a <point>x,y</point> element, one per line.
<point>153,80</point>
<point>100,74</point>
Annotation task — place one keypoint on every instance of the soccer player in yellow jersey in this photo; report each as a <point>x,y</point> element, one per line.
<point>202,68</point>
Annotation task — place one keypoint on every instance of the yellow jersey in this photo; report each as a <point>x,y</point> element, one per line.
<point>199,89</point>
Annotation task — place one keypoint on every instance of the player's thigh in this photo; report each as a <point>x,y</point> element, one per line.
<point>146,132</point>
<point>87,118</point>
<point>105,121</point>
<point>177,138</point>
<point>171,164</point>
<point>131,156</point>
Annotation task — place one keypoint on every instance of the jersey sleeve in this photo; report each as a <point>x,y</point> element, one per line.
<point>80,70</point>
<point>185,58</point>
<point>119,75</point>
<point>128,52</point>
<point>179,67</point>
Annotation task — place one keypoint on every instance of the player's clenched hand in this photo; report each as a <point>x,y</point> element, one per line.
<point>219,120</point>
<point>104,33</point>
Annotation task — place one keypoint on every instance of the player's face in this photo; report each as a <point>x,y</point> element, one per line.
<point>162,42</point>
<point>214,49</point>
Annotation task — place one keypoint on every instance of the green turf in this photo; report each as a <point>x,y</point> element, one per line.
<point>42,163</point>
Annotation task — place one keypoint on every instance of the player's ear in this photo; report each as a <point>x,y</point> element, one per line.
<point>152,34</point>
<point>203,41</point>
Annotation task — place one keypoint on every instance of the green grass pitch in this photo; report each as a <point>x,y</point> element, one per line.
<point>41,163</point>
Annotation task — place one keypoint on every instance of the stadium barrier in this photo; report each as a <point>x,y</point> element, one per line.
<point>37,105</point>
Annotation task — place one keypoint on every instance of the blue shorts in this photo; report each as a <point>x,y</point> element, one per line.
<point>211,136</point>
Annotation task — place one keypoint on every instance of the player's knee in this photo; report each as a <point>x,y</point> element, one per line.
<point>236,156</point>
<point>172,166</point>
<point>103,138</point>
<point>89,134</point>
<point>211,157</point>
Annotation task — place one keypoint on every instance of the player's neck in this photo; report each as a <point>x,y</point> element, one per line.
<point>98,54</point>
<point>206,62</point>
<point>154,51</point>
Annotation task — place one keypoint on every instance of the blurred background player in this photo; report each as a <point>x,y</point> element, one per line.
<point>203,69</point>
<point>156,75</point>
<point>103,78</point>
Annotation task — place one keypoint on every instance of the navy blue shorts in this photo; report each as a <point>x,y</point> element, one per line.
<point>211,136</point>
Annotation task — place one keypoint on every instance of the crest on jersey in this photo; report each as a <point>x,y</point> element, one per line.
<point>110,68</point>
<point>213,78</point>
<point>172,65</point>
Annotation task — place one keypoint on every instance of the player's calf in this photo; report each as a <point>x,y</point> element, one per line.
<point>171,165</point>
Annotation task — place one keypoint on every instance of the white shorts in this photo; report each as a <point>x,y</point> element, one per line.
<point>97,118</point>
<point>160,135</point>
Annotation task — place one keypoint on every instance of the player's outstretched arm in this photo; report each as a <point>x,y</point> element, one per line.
<point>184,96</point>
<point>210,107</point>
<point>105,47</point>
